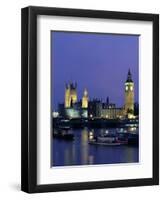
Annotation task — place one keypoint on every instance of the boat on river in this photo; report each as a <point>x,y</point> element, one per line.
<point>105,143</point>
<point>63,134</point>
<point>131,136</point>
<point>112,140</point>
<point>66,128</point>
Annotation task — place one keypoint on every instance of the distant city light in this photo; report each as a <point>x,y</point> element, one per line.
<point>91,135</point>
<point>55,114</point>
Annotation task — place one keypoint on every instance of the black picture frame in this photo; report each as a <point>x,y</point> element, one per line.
<point>29,99</point>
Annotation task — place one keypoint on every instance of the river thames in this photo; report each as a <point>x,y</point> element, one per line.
<point>80,152</point>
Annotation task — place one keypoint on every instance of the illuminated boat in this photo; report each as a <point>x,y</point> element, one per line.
<point>108,141</point>
<point>64,128</point>
<point>62,134</point>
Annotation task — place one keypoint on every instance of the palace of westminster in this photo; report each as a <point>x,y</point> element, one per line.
<point>85,108</point>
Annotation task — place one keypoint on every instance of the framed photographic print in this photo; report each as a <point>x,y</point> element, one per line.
<point>90,99</point>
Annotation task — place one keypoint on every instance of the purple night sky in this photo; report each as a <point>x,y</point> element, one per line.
<point>98,62</point>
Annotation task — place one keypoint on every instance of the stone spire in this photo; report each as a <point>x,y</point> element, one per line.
<point>129,76</point>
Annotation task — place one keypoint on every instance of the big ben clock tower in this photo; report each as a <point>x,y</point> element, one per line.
<point>129,94</point>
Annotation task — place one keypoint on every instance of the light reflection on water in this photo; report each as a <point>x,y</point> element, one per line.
<point>80,152</point>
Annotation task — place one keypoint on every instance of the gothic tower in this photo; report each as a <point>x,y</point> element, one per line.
<point>85,99</point>
<point>129,94</point>
<point>70,94</point>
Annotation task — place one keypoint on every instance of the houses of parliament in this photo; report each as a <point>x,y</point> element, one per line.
<point>86,108</point>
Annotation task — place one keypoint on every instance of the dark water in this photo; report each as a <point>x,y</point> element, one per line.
<point>79,152</point>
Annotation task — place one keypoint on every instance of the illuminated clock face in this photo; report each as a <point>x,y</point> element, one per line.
<point>126,88</point>
<point>131,88</point>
